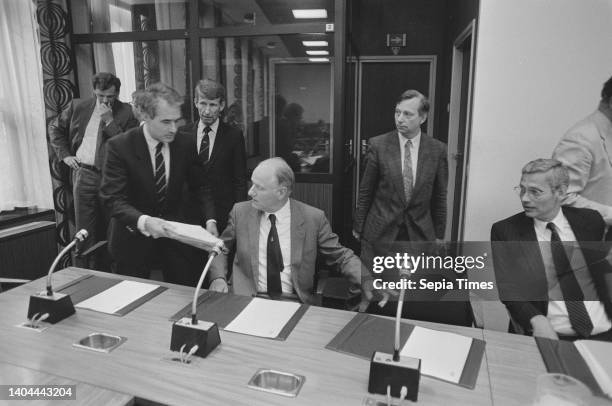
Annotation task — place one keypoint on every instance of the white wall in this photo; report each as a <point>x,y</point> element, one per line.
<point>540,66</point>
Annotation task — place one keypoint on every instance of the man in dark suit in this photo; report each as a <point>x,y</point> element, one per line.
<point>551,288</point>
<point>145,171</point>
<point>79,135</point>
<point>277,239</point>
<point>402,197</point>
<point>221,152</point>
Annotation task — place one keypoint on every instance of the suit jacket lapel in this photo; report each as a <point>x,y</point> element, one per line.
<point>297,239</point>
<point>253,235</point>
<point>141,150</point>
<point>531,248</point>
<point>218,143</point>
<point>174,169</point>
<point>395,163</point>
<point>85,117</point>
<point>424,158</point>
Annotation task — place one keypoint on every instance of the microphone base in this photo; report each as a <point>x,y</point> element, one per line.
<point>204,334</point>
<point>384,372</point>
<point>59,306</point>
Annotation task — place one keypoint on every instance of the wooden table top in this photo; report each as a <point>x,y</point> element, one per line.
<point>86,394</point>
<point>138,366</point>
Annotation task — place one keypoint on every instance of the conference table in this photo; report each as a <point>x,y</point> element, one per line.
<point>141,369</point>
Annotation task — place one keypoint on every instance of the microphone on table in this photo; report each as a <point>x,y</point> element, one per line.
<point>390,373</point>
<point>57,305</point>
<point>191,333</point>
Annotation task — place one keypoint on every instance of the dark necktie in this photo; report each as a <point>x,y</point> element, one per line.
<point>204,145</point>
<point>407,172</point>
<point>274,261</point>
<point>160,175</point>
<point>579,318</point>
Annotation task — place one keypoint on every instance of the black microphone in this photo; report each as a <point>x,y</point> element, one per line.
<point>57,305</point>
<point>201,337</point>
<point>390,374</point>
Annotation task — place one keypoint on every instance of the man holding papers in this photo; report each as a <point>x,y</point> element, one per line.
<point>553,288</point>
<point>277,240</point>
<point>144,174</point>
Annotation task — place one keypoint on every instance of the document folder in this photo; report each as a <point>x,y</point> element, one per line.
<point>88,286</point>
<point>365,334</point>
<point>223,308</point>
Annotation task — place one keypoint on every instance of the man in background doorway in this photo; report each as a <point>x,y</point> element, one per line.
<point>78,136</point>
<point>402,198</point>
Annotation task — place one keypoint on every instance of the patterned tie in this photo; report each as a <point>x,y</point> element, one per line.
<point>407,172</point>
<point>160,175</point>
<point>274,261</point>
<point>204,145</point>
<point>579,318</point>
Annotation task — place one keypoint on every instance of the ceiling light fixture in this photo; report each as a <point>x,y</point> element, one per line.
<point>314,43</point>
<point>318,59</point>
<point>317,52</point>
<point>309,13</point>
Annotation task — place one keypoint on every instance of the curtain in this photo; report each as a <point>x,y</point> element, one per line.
<point>24,164</point>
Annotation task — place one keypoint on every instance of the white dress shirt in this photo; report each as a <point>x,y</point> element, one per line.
<point>414,152</point>
<point>557,310</point>
<point>151,146</point>
<point>283,228</point>
<point>87,150</point>
<point>212,136</point>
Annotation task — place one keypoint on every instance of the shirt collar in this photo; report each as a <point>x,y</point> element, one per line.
<point>559,221</point>
<point>214,126</point>
<point>416,140</point>
<point>605,110</point>
<point>151,142</point>
<point>282,213</point>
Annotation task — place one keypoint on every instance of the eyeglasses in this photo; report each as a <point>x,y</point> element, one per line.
<point>534,194</point>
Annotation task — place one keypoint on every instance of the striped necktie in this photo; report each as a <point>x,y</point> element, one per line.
<point>407,172</point>
<point>205,145</point>
<point>160,175</point>
<point>574,298</point>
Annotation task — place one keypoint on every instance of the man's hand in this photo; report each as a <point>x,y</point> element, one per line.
<point>106,113</point>
<point>542,328</point>
<point>211,227</point>
<point>218,285</point>
<point>356,235</point>
<point>158,228</point>
<point>441,246</point>
<point>72,161</point>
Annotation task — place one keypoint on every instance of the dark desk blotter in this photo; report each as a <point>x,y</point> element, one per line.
<point>365,334</point>
<point>88,286</point>
<point>222,308</point>
<point>562,357</point>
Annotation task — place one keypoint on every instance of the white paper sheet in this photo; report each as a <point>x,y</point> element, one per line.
<point>263,317</point>
<point>598,356</point>
<point>117,297</point>
<point>442,354</point>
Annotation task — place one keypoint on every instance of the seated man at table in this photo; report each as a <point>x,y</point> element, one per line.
<point>277,239</point>
<point>544,283</point>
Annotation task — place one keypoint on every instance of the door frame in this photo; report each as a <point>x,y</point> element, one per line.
<point>458,197</point>
<point>358,63</point>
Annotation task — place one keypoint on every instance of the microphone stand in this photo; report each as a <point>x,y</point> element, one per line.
<point>188,332</point>
<point>57,305</point>
<point>391,374</point>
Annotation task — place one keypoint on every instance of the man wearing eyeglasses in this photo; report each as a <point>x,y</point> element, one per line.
<point>550,262</point>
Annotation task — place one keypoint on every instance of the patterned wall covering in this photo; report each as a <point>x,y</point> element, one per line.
<point>59,88</point>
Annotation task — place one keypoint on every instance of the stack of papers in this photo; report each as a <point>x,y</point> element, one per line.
<point>598,356</point>
<point>117,297</point>
<point>193,235</point>
<point>443,355</point>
